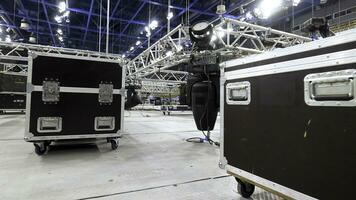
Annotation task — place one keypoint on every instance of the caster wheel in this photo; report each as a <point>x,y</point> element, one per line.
<point>114,144</point>
<point>164,113</point>
<point>40,150</point>
<point>245,189</point>
<point>47,143</point>
<point>169,113</point>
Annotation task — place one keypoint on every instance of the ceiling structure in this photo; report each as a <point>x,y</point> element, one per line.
<point>80,28</point>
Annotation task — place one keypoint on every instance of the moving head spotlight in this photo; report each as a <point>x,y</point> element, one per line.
<point>203,81</point>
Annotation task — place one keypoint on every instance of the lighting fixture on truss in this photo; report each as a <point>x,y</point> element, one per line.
<point>24,25</point>
<point>170,15</point>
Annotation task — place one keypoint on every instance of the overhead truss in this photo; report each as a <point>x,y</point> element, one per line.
<point>234,37</point>
<point>14,56</point>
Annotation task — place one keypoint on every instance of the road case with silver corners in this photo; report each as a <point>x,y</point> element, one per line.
<point>12,92</point>
<point>289,120</point>
<point>73,97</point>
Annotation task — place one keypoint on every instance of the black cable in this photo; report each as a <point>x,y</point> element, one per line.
<point>206,112</point>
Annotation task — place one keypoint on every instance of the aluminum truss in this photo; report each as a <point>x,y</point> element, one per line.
<point>14,56</point>
<point>169,51</point>
<point>241,38</point>
<point>167,76</point>
<point>154,87</point>
<point>236,38</point>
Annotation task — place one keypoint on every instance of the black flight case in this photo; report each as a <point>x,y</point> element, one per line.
<point>289,120</point>
<point>73,97</point>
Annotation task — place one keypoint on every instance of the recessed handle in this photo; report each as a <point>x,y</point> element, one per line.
<point>238,93</point>
<point>49,124</point>
<point>104,123</point>
<point>335,88</point>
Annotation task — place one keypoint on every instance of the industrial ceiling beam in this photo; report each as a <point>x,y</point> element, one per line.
<point>76,10</point>
<point>71,26</point>
<point>174,18</point>
<point>49,25</point>
<point>133,17</point>
<point>88,22</point>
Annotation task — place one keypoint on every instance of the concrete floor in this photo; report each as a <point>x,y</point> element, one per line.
<point>153,161</point>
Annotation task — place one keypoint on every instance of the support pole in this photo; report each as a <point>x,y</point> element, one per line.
<point>107,26</point>
<point>101,5</point>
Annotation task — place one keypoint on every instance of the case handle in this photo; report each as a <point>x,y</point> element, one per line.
<point>49,124</point>
<point>238,93</point>
<point>104,123</point>
<point>336,88</point>
<point>332,89</point>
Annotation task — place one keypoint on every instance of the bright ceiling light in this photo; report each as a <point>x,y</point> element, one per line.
<point>8,38</point>
<point>170,16</point>
<point>66,14</point>
<point>138,42</point>
<point>59,31</point>
<point>296,2</point>
<point>60,38</point>
<point>58,19</point>
<point>24,24</point>
<point>153,25</point>
<point>1,30</point>
<point>62,6</point>
<point>132,48</point>
<point>124,56</point>
<point>267,8</point>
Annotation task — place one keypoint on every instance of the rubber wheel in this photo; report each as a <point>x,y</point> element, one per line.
<point>164,113</point>
<point>39,151</point>
<point>114,144</point>
<point>245,189</point>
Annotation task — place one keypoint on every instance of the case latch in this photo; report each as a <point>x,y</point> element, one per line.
<point>336,88</point>
<point>104,123</point>
<point>49,124</point>
<point>106,93</point>
<point>238,93</point>
<point>50,92</point>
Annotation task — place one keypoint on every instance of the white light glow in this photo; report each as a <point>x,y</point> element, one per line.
<point>179,48</point>
<point>229,29</point>
<point>169,53</point>
<point>132,48</point>
<point>213,38</point>
<point>66,14</point>
<point>62,6</point>
<point>60,38</point>
<point>153,25</point>
<point>59,31</point>
<point>221,34</point>
<point>58,19</point>
<point>8,38</point>
<point>138,43</point>
<point>0,30</point>
<point>170,16</point>
<point>124,56</point>
<point>267,8</point>
<point>249,15</point>
<point>296,2</point>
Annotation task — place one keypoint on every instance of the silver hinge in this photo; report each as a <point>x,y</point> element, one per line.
<point>51,91</point>
<point>106,93</point>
